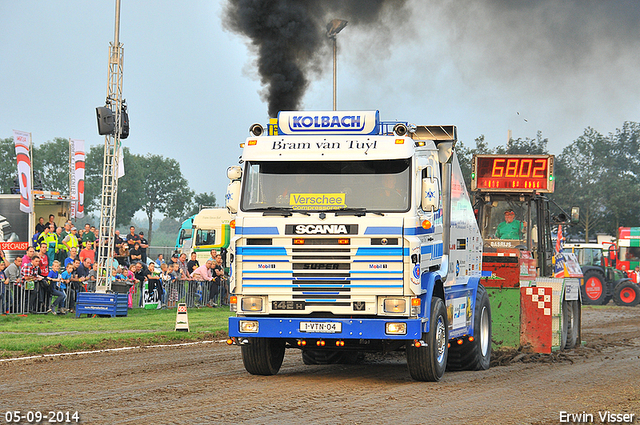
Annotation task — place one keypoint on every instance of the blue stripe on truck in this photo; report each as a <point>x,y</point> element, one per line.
<point>281,327</point>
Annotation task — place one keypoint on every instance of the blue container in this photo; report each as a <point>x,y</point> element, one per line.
<point>102,304</point>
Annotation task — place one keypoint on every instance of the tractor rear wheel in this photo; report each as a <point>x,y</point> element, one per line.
<point>594,290</point>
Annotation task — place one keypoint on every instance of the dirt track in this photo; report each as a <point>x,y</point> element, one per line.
<point>207,384</point>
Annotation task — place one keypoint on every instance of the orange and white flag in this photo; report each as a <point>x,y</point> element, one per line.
<point>78,164</point>
<point>22,142</point>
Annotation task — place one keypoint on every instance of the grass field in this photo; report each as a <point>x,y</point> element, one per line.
<point>43,334</point>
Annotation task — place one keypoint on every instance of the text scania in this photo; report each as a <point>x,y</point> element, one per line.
<point>305,121</point>
<point>331,229</point>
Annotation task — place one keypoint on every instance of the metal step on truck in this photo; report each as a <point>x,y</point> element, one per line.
<point>355,235</point>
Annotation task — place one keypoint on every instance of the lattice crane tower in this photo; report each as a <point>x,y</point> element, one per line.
<point>109,199</point>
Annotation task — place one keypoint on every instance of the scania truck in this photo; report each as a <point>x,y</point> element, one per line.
<point>355,235</point>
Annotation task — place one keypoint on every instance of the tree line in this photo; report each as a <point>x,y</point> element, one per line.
<point>598,173</point>
<point>152,183</point>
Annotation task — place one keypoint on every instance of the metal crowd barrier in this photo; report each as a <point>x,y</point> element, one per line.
<point>194,293</point>
<point>38,298</point>
<point>21,299</point>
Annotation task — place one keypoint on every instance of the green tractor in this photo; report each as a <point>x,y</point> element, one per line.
<point>602,281</point>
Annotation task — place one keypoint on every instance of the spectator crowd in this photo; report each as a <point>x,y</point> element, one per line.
<point>62,263</point>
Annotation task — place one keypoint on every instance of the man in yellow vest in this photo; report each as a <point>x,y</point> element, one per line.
<point>50,238</point>
<point>71,240</point>
<point>61,250</point>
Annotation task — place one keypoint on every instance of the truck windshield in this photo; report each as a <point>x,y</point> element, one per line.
<point>380,185</point>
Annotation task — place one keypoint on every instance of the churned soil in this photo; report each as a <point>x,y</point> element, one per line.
<point>206,383</point>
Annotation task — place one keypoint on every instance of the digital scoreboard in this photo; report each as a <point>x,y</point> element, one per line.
<point>512,173</point>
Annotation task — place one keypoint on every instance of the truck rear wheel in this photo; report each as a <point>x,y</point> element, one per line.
<point>476,354</point>
<point>570,327</point>
<point>594,290</point>
<point>571,323</point>
<point>626,294</point>
<point>429,363</point>
<point>263,356</point>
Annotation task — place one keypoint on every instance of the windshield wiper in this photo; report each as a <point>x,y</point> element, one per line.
<point>283,211</point>
<point>358,212</point>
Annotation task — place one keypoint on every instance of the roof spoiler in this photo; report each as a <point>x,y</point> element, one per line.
<point>437,133</point>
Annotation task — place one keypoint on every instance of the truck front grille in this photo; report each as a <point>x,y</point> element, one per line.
<point>322,274</point>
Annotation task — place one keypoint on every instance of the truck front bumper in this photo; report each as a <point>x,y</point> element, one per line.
<point>306,328</point>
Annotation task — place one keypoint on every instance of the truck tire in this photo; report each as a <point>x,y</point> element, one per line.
<point>475,355</point>
<point>626,294</point>
<point>571,316</point>
<point>568,334</point>
<point>428,363</point>
<point>594,290</point>
<point>315,357</point>
<point>263,356</point>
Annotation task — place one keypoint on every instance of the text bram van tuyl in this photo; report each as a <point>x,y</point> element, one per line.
<point>600,417</point>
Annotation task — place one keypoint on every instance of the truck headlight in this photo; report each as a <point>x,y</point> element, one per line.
<point>395,305</point>
<point>393,328</point>
<point>248,326</point>
<point>252,304</point>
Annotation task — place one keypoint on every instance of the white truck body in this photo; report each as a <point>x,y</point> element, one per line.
<point>346,231</point>
<point>207,230</point>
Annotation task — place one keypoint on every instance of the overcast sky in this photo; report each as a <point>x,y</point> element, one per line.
<point>193,91</point>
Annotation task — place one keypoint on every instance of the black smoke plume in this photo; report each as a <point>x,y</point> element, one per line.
<point>290,42</point>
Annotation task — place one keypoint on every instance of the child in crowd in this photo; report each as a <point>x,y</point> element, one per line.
<point>117,273</point>
<point>155,283</point>
<point>4,287</point>
<point>66,276</point>
<point>131,278</point>
<point>175,274</point>
<point>165,277</point>
<point>93,278</point>
<point>56,290</point>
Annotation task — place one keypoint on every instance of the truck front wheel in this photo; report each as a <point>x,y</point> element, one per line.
<point>429,363</point>
<point>263,356</point>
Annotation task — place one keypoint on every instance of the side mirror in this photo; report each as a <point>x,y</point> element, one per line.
<point>430,194</point>
<point>234,172</point>
<point>575,215</point>
<point>445,150</point>
<point>233,196</point>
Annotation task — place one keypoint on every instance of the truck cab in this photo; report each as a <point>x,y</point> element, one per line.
<point>355,235</point>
